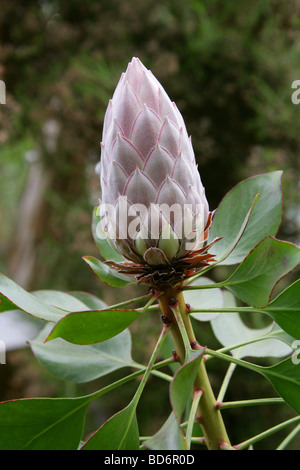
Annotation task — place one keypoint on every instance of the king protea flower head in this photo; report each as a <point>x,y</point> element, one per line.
<point>153,205</point>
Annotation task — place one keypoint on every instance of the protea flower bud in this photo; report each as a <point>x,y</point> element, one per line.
<point>153,205</point>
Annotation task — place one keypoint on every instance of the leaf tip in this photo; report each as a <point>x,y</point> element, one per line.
<point>51,335</point>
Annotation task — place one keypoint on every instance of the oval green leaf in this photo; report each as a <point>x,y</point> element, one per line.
<point>264,221</point>
<point>15,296</point>
<point>285,378</point>
<point>60,300</point>
<point>93,326</point>
<point>255,278</point>
<point>80,363</point>
<point>169,437</point>
<point>90,300</point>
<point>182,384</point>
<point>285,309</point>
<point>42,423</point>
<point>120,432</point>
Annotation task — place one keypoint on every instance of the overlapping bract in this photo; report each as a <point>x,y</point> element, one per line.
<point>147,161</point>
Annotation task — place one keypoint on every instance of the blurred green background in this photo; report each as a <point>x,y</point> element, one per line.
<point>229,66</point>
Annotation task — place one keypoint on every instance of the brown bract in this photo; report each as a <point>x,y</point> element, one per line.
<point>171,272</point>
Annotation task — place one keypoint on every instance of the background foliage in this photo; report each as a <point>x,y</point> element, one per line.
<point>228,66</point>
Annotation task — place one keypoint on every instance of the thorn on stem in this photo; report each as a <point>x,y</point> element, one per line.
<point>199,419</point>
<point>195,345</point>
<point>165,319</point>
<point>223,445</point>
<point>175,355</point>
<point>173,301</point>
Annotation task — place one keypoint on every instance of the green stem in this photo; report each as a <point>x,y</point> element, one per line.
<point>289,438</point>
<point>155,352</point>
<point>216,310</point>
<point>194,440</point>
<point>232,347</point>
<point>150,302</point>
<point>256,401</point>
<point>157,373</point>
<point>227,310</point>
<point>193,412</point>
<point>130,301</point>
<point>244,343</point>
<point>226,382</point>
<point>267,433</point>
<point>239,362</point>
<point>203,271</point>
<point>206,286</point>
<point>128,378</point>
<point>183,332</point>
<point>210,416</point>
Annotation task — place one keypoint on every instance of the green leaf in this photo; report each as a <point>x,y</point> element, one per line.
<point>93,326</point>
<point>42,423</point>
<point>255,278</point>
<point>182,384</point>
<point>227,245</point>
<point>285,378</point>
<point>204,299</point>
<point>90,300</point>
<point>102,243</point>
<point>80,363</point>
<point>169,437</point>
<point>6,305</point>
<point>120,432</point>
<point>230,330</point>
<point>16,297</point>
<point>106,274</point>
<point>232,212</point>
<point>285,309</point>
<point>69,302</point>
<point>60,300</point>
